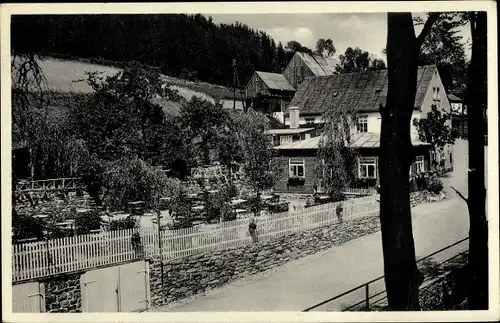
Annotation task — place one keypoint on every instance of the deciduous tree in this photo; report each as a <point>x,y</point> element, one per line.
<point>476,100</point>
<point>357,60</point>
<point>325,47</point>
<point>435,129</point>
<point>402,277</point>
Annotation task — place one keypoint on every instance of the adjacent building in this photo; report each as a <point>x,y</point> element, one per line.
<point>274,91</point>
<point>363,92</point>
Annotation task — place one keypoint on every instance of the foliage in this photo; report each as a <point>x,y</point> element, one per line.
<point>435,185</point>
<point>218,207</point>
<point>357,60</point>
<point>444,48</point>
<point>87,221</point>
<point>325,47</point>
<point>294,46</point>
<point>260,169</point>
<point>155,39</point>
<point>132,179</point>
<point>204,120</point>
<point>338,162</point>
<point>24,227</point>
<point>121,118</point>
<point>435,129</point>
<point>122,224</point>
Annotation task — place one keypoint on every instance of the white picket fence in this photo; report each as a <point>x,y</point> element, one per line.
<point>38,259</point>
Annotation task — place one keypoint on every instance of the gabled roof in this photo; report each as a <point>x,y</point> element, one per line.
<point>275,81</point>
<point>364,91</point>
<point>453,98</point>
<point>320,66</point>
<point>358,140</point>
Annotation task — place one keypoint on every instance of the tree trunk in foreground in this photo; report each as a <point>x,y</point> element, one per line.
<point>476,201</point>
<point>402,277</point>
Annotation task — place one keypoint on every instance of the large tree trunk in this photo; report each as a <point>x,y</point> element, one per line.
<point>402,277</point>
<point>478,232</point>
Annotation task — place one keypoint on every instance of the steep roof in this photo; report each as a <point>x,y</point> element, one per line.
<point>319,65</point>
<point>358,140</point>
<point>364,91</point>
<point>275,81</point>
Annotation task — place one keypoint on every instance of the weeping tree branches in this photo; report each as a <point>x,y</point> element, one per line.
<point>337,161</point>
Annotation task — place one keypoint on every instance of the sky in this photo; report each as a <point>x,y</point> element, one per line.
<point>365,30</point>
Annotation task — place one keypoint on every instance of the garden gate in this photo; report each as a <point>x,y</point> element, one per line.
<point>123,288</point>
<point>28,298</point>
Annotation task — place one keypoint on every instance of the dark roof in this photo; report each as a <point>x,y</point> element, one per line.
<point>454,98</point>
<point>275,81</point>
<point>363,90</point>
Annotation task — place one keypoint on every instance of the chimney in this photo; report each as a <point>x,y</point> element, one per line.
<point>294,117</point>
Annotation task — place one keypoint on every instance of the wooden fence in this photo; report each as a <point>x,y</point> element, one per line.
<point>38,259</point>
<point>71,183</point>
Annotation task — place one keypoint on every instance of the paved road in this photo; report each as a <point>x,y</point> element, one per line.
<point>308,281</point>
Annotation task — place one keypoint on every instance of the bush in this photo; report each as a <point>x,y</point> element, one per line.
<point>24,227</point>
<point>217,205</point>
<point>86,222</point>
<point>132,179</point>
<point>122,224</point>
<point>435,185</point>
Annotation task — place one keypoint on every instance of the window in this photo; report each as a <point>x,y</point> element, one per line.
<point>367,167</point>
<point>285,140</point>
<point>435,93</point>
<point>297,167</point>
<point>309,120</point>
<point>419,163</point>
<point>363,123</point>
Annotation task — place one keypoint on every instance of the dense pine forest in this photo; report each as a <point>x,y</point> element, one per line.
<point>187,46</point>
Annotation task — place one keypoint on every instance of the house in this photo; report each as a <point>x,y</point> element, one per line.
<point>277,90</point>
<point>457,106</point>
<point>304,65</point>
<point>364,92</point>
<point>270,89</point>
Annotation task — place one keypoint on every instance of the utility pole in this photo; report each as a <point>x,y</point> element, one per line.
<point>234,84</point>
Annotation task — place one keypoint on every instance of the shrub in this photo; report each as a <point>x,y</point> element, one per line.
<point>86,222</point>
<point>122,224</point>
<point>132,179</point>
<point>24,227</point>
<point>218,207</point>
<point>435,185</point>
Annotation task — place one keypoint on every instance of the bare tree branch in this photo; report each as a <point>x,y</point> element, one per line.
<point>433,17</point>
<point>460,194</point>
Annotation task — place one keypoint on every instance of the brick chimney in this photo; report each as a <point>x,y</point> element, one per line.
<point>294,117</point>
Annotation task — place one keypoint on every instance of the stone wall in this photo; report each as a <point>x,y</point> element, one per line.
<point>197,274</point>
<point>63,294</point>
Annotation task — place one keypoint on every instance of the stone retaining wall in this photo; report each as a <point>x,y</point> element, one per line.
<point>197,274</point>
<point>63,294</point>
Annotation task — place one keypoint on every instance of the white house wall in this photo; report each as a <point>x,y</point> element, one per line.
<point>374,122</point>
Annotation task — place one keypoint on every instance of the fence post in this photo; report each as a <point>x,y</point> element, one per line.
<point>367,296</point>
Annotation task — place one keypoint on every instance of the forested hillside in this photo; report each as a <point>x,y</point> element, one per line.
<point>185,46</point>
